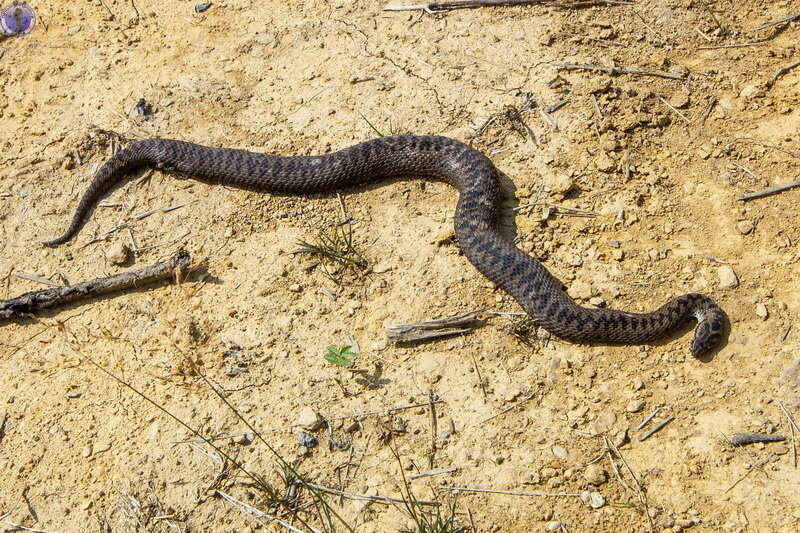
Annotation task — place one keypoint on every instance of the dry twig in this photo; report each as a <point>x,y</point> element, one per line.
<point>437,7</point>
<point>781,71</point>
<point>656,429</point>
<point>453,325</point>
<point>779,21</point>
<point>619,70</point>
<point>33,301</point>
<point>794,430</point>
<point>640,492</point>
<point>768,191</point>
<point>511,492</point>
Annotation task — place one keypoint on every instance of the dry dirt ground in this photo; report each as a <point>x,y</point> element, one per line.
<point>628,193</point>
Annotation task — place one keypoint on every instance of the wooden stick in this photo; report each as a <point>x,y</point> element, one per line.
<point>767,192</point>
<point>640,492</point>
<point>648,419</point>
<point>511,492</point>
<point>659,427</point>
<point>438,7</point>
<point>33,301</point>
<point>781,71</point>
<point>619,70</point>
<point>435,7</point>
<point>721,46</point>
<point>779,21</point>
<point>434,328</point>
<point>434,472</point>
<point>504,411</point>
<point>793,429</point>
<point>386,500</point>
<point>753,467</point>
<point>663,101</point>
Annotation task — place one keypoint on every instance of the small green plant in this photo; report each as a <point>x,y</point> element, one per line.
<point>523,328</point>
<point>340,356</point>
<point>435,520</point>
<point>393,128</point>
<point>334,244</point>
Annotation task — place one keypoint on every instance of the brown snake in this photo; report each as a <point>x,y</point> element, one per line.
<point>539,293</point>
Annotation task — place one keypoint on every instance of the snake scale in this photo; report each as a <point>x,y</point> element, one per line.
<point>539,293</point>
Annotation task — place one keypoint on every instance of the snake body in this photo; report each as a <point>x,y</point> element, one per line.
<point>539,293</point>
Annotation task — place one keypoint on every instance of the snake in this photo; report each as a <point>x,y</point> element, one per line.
<point>539,293</point>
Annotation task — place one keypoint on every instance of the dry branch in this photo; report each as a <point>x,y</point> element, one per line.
<point>438,7</point>
<point>619,70</point>
<point>32,301</point>
<point>767,192</point>
<point>779,21</point>
<point>781,71</point>
<point>434,328</point>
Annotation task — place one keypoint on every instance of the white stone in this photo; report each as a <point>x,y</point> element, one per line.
<point>727,277</point>
<point>635,406</point>
<point>118,253</point>
<point>595,474</point>
<point>309,419</point>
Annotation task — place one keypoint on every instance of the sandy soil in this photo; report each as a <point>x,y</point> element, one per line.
<point>656,188</point>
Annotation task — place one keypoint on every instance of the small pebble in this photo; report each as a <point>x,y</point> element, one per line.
<point>553,525</point>
<point>200,8</point>
<point>561,184</point>
<point>143,107</point>
<point>595,474</point>
<point>762,311</point>
<point>621,438</point>
<point>445,237</point>
<point>595,500</point>
<point>749,92</point>
<point>605,163</point>
<point>118,253</point>
<point>745,227</point>
<point>727,277</point>
<point>604,422</point>
<point>560,452</point>
<point>680,98</point>
<point>548,472</point>
<point>597,301</point>
<point>638,384</point>
<point>573,259</point>
<point>309,419</point>
<point>635,406</point>
<point>295,287</point>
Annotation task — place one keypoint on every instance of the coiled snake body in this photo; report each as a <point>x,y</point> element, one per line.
<point>539,293</point>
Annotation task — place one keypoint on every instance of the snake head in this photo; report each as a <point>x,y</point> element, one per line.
<point>708,334</point>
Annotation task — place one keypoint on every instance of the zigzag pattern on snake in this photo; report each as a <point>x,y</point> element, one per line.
<point>539,293</point>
